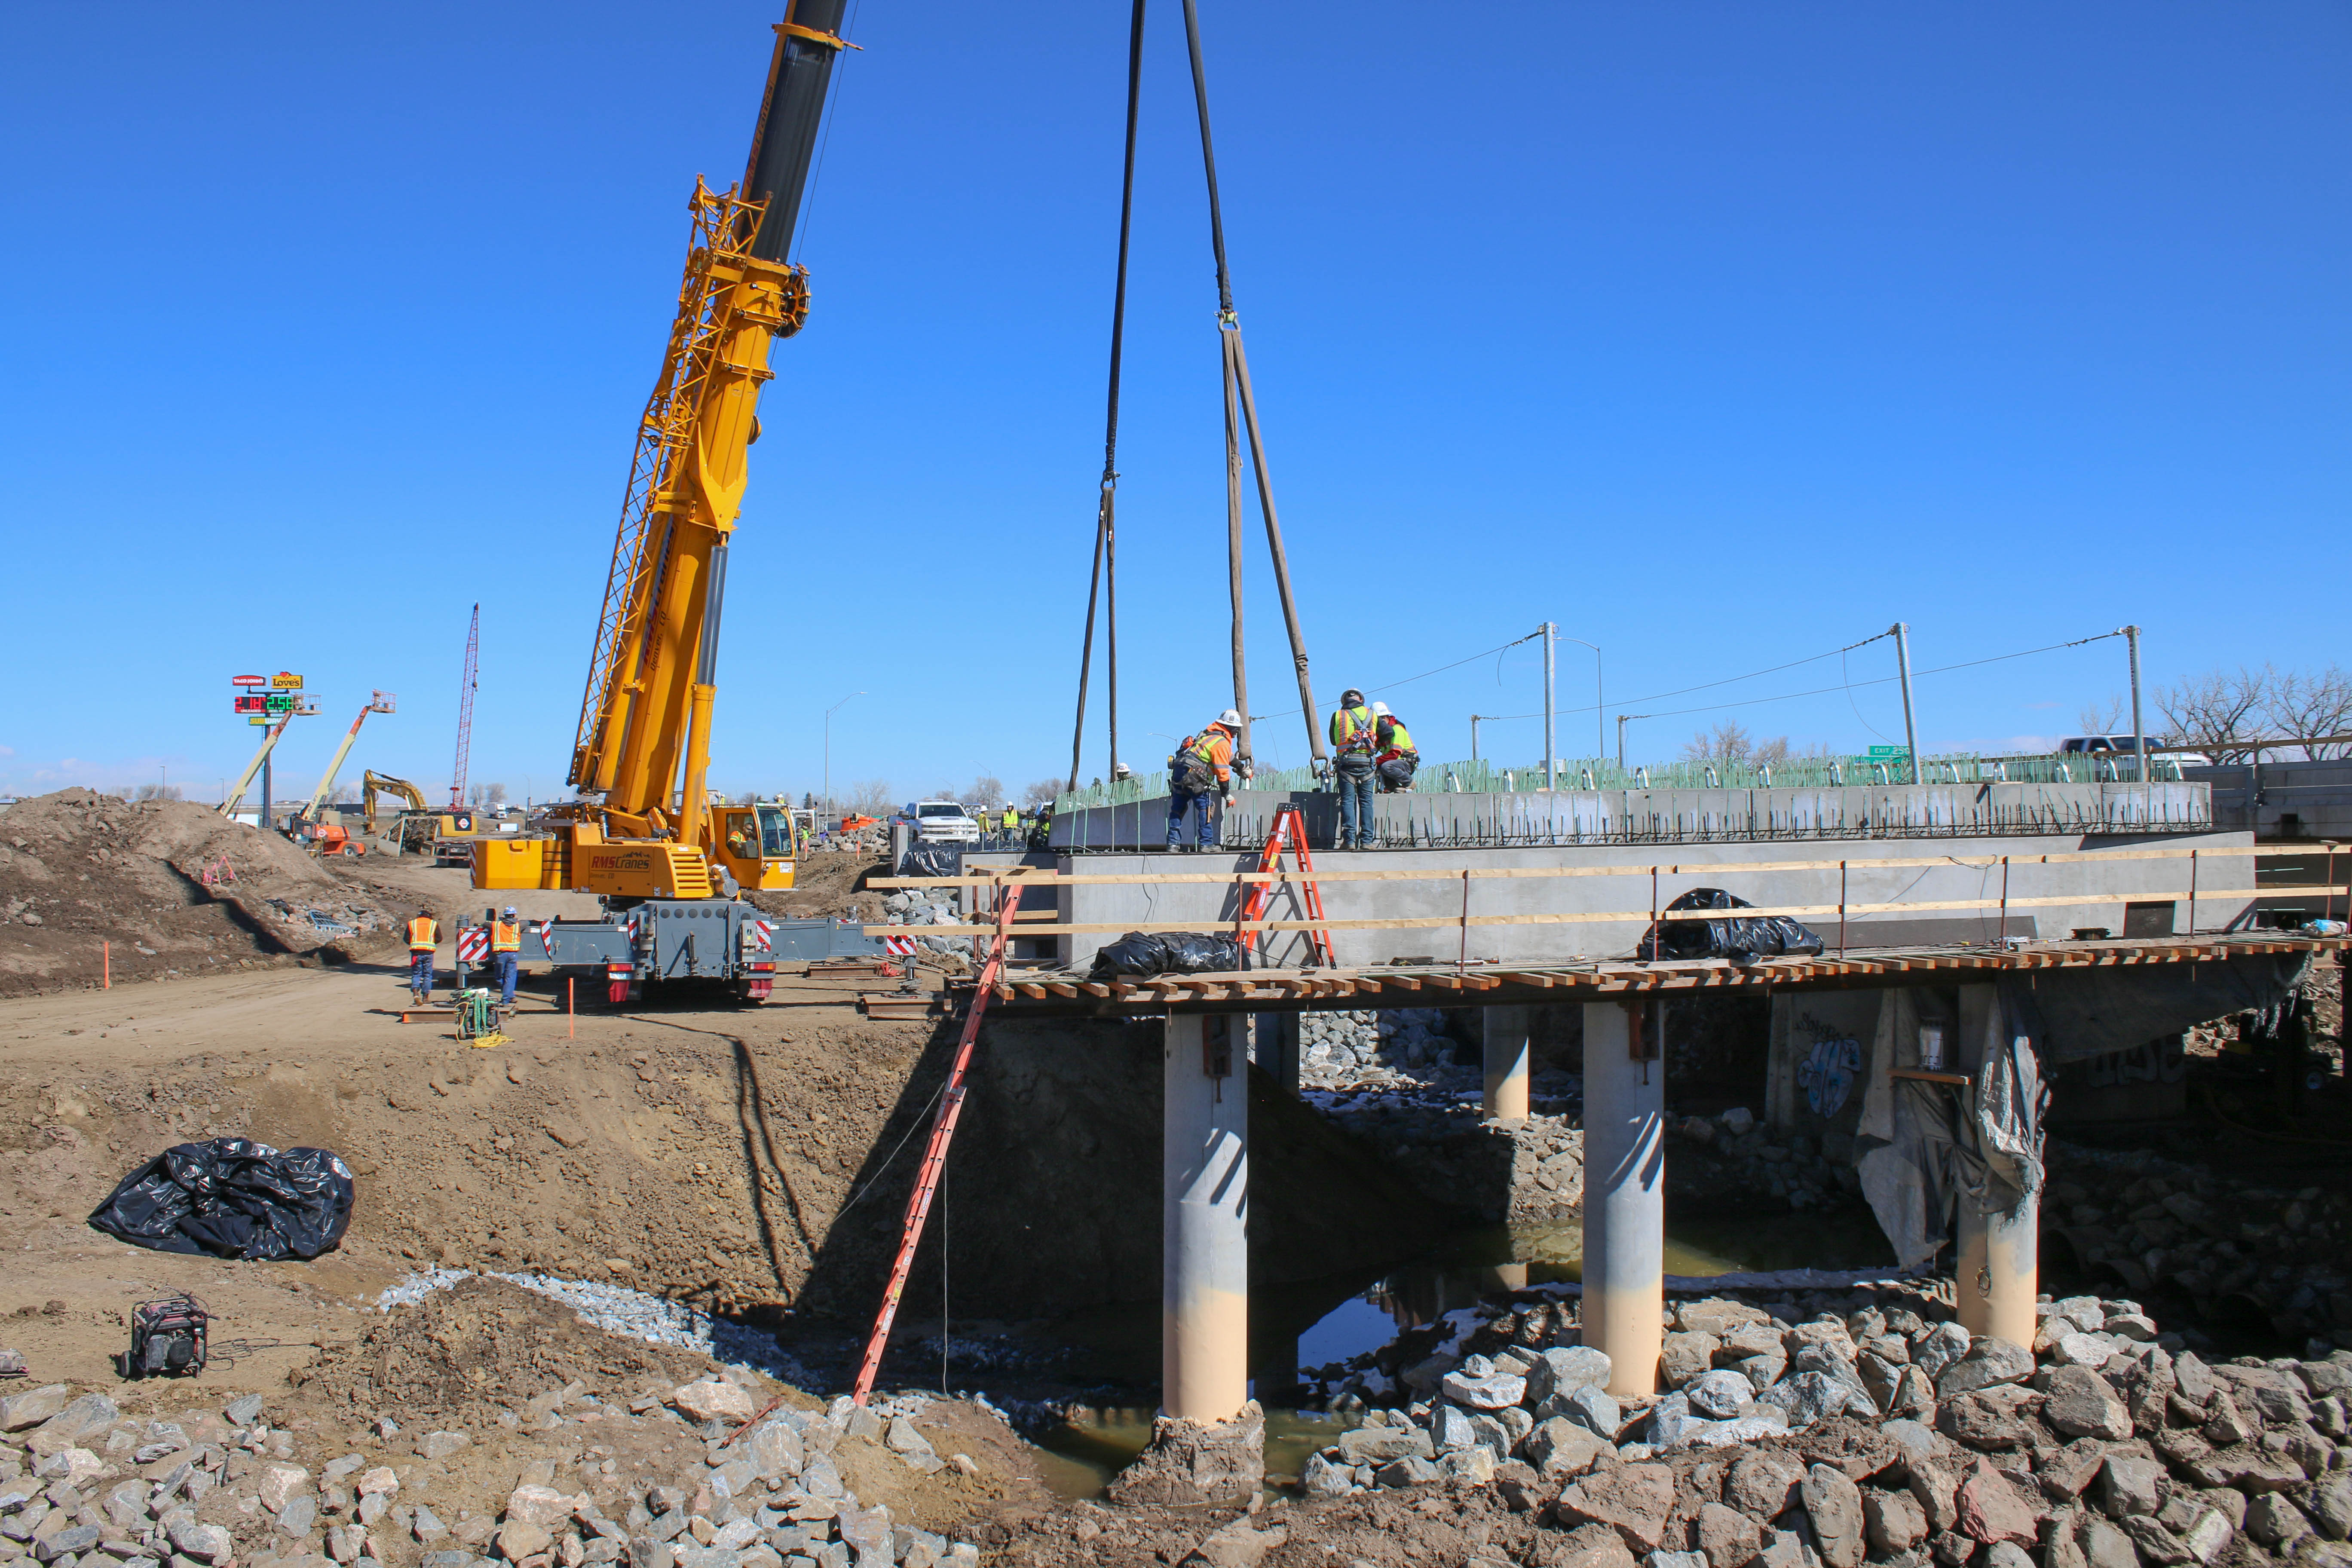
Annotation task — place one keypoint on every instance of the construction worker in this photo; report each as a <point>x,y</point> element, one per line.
<point>506,950</point>
<point>423,936</point>
<point>1202,767</point>
<point>1010,822</point>
<point>1393,758</point>
<point>1354,738</point>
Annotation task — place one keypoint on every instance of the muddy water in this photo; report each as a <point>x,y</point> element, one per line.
<point>1327,1321</point>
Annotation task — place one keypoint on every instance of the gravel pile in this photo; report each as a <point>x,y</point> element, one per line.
<point>621,1311</point>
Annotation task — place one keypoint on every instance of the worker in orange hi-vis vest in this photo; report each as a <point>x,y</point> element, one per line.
<point>506,950</point>
<point>423,936</point>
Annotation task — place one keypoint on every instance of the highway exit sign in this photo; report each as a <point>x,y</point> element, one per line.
<point>1878,753</point>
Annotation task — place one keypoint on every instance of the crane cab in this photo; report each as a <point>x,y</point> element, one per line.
<point>755,843</point>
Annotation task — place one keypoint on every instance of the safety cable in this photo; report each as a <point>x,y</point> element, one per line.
<point>1106,539</point>
<point>1208,158</point>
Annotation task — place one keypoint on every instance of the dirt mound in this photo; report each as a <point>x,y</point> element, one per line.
<point>170,887</point>
<point>463,1354</point>
<point>829,883</point>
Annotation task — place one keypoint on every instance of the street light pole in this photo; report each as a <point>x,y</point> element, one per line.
<point>1599,700</point>
<point>1473,735</point>
<point>828,749</point>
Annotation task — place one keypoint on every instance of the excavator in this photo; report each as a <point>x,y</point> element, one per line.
<point>642,831</point>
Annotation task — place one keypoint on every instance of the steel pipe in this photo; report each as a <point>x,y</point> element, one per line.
<point>1624,1193</point>
<point>1204,1206</point>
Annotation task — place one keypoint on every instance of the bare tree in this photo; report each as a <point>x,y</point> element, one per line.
<point>147,792</point>
<point>986,790</point>
<point>488,796</point>
<point>2300,705</point>
<point>871,797</point>
<point>2217,712</point>
<point>1730,741</point>
<point>2097,721</point>
<point>1041,793</point>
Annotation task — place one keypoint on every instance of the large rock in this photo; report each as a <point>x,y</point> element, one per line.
<point>281,1484</point>
<point>2127,1487</point>
<point>204,1543</point>
<point>1891,1522</point>
<point>33,1407</point>
<point>1763,1485</point>
<point>518,1539</point>
<point>712,1399</point>
<point>1750,1339</point>
<point>1494,1390</point>
<point>1240,1544</point>
<point>2104,1546</point>
<point>1991,1360</point>
<point>1943,1346</point>
<point>1811,1397</point>
<point>1718,1395</point>
<point>1721,1318</point>
<point>1591,1407</point>
<point>1683,1356</point>
<point>2329,1503</point>
<point>1193,1463</point>
<point>1829,1334</point>
<point>1833,1503</point>
<point>441,1445</point>
<point>2082,1404</point>
<point>1563,1372</point>
<point>1589,1546</point>
<point>1635,1500</point>
<point>2157,1546</point>
<point>1727,1537</point>
<point>1991,1508</point>
<point>1379,1445</point>
<point>541,1506</point>
<point>90,1414</point>
<point>1561,1447</point>
<point>2274,1521</point>
<point>774,1449</point>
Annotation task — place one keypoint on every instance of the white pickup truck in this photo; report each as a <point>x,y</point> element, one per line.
<point>943,822</point>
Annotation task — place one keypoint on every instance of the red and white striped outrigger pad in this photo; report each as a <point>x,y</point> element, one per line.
<point>898,945</point>
<point>473,944</point>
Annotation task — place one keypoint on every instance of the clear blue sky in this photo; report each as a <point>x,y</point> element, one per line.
<point>1721,335</point>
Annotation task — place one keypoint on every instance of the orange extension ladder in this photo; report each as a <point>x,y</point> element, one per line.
<point>1289,830</point>
<point>935,1153</point>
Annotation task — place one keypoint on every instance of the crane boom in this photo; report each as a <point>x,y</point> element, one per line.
<point>641,827</point>
<point>380,702</point>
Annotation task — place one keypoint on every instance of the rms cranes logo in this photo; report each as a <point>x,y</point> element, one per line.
<point>628,860</point>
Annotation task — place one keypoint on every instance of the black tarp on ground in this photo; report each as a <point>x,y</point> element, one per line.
<point>233,1198</point>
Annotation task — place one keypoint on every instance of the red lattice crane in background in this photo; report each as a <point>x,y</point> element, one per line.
<point>465,710</point>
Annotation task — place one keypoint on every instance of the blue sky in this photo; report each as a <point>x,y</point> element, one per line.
<point>1721,335</point>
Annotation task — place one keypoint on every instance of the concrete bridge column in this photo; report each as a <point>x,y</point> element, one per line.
<point>1204,1269</point>
<point>1999,1261</point>
<point>1624,1194</point>
<point>1506,1050</point>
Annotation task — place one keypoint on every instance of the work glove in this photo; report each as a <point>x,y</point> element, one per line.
<point>1229,800</point>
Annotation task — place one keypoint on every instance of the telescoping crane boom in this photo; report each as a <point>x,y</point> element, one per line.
<point>641,828</point>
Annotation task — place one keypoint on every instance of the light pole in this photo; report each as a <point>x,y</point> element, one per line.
<point>828,749</point>
<point>1621,718</point>
<point>1550,634</point>
<point>1600,701</point>
<point>1473,735</point>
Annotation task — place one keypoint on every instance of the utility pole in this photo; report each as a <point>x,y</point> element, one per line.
<point>1551,642</point>
<point>1903,667</point>
<point>1473,735</point>
<point>1599,698</point>
<point>1621,719</point>
<point>2139,738</point>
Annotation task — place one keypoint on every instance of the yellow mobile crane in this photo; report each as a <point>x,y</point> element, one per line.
<point>642,827</point>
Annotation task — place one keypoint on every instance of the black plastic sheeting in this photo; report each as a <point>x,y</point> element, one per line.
<point>1757,936</point>
<point>233,1198</point>
<point>930,860</point>
<point>1140,954</point>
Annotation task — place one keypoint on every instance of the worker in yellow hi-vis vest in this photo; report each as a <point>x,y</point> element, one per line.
<point>506,950</point>
<point>1395,758</point>
<point>423,936</point>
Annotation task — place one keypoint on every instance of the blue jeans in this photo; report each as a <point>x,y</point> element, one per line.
<point>420,974</point>
<point>1355,804</point>
<point>503,965</point>
<point>1179,801</point>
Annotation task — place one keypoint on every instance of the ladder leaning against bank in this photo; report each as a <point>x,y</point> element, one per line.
<point>935,1153</point>
<point>1289,829</point>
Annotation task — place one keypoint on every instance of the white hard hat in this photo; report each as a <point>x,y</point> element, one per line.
<point>511,910</point>
<point>1229,717</point>
<point>1380,709</point>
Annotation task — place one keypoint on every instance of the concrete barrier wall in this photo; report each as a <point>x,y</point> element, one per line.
<point>2097,893</point>
<point>1437,820</point>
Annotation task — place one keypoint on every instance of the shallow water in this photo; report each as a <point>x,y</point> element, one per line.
<point>1322,1321</point>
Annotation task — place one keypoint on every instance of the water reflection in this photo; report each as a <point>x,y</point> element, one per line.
<point>1303,1327</point>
